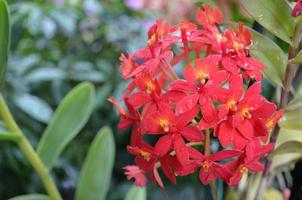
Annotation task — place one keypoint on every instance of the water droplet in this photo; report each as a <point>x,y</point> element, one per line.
<point>260,17</point>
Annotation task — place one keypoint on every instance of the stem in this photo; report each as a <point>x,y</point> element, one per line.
<point>10,136</point>
<point>29,152</point>
<point>207,152</point>
<point>207,147</point>
<point>290,73</point>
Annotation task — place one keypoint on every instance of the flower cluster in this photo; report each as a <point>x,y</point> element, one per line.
<point>219,98</point>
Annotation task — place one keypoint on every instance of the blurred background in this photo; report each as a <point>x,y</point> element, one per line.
<point>58,43</point>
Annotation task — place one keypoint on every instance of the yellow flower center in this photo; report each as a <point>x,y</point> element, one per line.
<point>202,76</point>
<point>205,166</point>
<point>244,170</point>
<point>164,123</point>
<point>150,86</point>
<point>145,155</point>
<point>231,104</point>
<point>245,113</point>
<point>238,46</point>
<point>152,39</point>
<point>219,37</point>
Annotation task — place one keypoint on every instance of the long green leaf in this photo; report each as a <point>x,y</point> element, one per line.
<point>287,135</point>
<point>96,173</point>
<point>136,193</point>
<point>69,118</point>
<point>289,147</point>
<point>292,116</point>
<point>31,197</point>
<point>4,37</point>
<point>274,15</point>
<point>269,53</point>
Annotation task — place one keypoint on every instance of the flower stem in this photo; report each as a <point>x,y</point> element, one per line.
<point>29,152</point>
<point>290,73</point>
<point>207,152</point>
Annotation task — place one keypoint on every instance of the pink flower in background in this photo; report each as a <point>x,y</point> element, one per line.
<point>59,2</point>
<point>135,4</point>
<point>297,9</point>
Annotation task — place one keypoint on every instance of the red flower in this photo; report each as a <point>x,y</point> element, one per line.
<point>249,161</point>
<point>126,118</point>
<point>209,17</point>
<point>128,65</point>
<point>210,168</point>
<point>174,128</point>
<point>149,90</point>
<point>148,159</point>
<point>215,95</point>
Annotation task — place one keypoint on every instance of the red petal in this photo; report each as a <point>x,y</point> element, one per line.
<point>192,134</point>
<point>207,108</point>
<point>254,89</point>
<point>185,118</point>
<point>139,99</point>
<point>181,149</point>
<point>186,104</point>
<point>255,166</point>
<point>225,134</point>
<point>163,145</point>
<point>246,129</point>
<point>183,86</point>
<point>168,171</point>
<point>195,154</point>
<point>224,154</point>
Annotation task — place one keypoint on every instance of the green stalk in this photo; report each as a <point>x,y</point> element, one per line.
<point>290,74</point>
<point>29,152</point>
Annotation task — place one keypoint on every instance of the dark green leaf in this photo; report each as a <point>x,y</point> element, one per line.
<point>31,197</point>
<point>71,115</point>
<point>274,15</point>
<point>96,173</point>
<point>4,37</point>
<point>136,193</point>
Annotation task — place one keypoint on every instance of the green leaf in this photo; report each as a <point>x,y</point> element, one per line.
<point>67,121</point>
<point>285,159</point>
<point>274,15</point>
<point>297,59</point>
<point>292,116</point>
<point>269,53</point>
<point>286,135</point>
<point>96,173</point>
<point>136,193</point>
<point>9,136</point>
<point>4,37</point>
<point>31,197</point>
<point>289,147</point>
